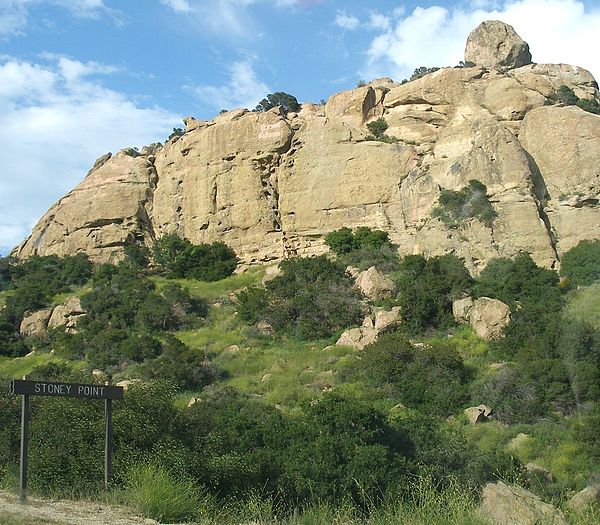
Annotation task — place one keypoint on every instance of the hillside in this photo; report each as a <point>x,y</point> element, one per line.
<point>272,184</point>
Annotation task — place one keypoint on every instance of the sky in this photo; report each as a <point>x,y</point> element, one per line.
<point>79,78</point>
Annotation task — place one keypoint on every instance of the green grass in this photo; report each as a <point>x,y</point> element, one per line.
<point>76,291</point>
<point>584,304</point>
<point>20,366</point>
<point>16,519</point>
<point>217,289</point>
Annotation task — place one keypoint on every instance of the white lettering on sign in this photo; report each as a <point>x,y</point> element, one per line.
<point>87,390</point>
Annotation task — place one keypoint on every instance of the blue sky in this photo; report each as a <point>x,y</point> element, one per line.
<point>79,78</point>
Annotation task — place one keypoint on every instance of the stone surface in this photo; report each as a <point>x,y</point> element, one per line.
<point>35,323</point>
<point>588,497</point>
<point>388,319</point>
<point>478,414</point>
<point>66,314</point>
<point>489,317</point>
<point>272,186</point>
<point>496,45</point>
<point>375,285</point>
<point>518,441</point>
<point>513,505</point>
<point>357,337</point>
<point>461,309</point>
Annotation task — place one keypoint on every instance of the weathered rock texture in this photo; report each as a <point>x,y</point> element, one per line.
<point>487,316</point>
<point>66,314</point>
<point>272,185</point>
<point>494,44</point>
<point>510,504</point>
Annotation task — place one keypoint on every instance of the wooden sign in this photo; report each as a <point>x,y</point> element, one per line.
<point>45,388</point>
<point>26,388</point>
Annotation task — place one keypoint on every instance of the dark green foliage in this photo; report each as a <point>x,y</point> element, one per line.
<point>5,274</point>
<point>137,256</point>
<point>286,101</point>
<point>426,290</point>
<point>581,265</point>
<point>456,207</point>
<point>182,366</point>
<point>11,344</point>
<point>422,71</point>
<point>432,378</point>
<point>178,257</point>
<point>378,127</point>
<point>177,132</point>
<point>363,248</point>
<point>312,298</point>
<point>567,96</point>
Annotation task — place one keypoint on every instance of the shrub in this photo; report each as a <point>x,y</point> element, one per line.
<point>432,378</point>
<point>456,207</point>
<point>178,257</point>
<point>581,264</point>
<point>162,495</point>
<point>378,127</point>
<point>567,96</point>
<point>363,248</point>
<point>286,101</point>
<point>177,132</point>
<point>422,71</point>
<point>427,288</point>
<point>312,298</point>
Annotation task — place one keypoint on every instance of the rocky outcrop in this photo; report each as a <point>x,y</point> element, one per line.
<point>385,320</point>
<point>35,323</point>
<point>272,185</point>
<point>66,314</point>
<point>358,337</point>
<point>503,504</point>
<point>588,497</point>
<point>496,45</point>
<point>374,285</point>
<point>488,317</point>
<point>478,414</point>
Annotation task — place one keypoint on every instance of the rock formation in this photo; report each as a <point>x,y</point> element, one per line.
<point>271,185</point>
<point>487,316</point>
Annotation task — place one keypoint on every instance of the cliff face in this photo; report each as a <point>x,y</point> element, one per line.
<point>272,185</point>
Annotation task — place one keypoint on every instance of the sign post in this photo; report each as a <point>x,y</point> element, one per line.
<point>28,388</point>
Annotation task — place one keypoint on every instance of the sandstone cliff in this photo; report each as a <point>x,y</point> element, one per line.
<point>272,185</point>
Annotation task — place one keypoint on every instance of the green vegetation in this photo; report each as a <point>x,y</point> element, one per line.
<point>177,257</point>
<point>363,248</point>
<point>567,96</point>
<point>286,101</point>
<point>457,207</point>
<point>581,265</point>
<point>311,299</point>
<point>177,132</point>
<point>286,427</point>
<point>377,129</point>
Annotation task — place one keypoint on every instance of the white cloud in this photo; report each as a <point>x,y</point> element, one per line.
<point>179,6</point>
<point>345,21</point>
<point>556,30</point>
<point>379,21</point>
<point>14,14</point>
<point>56,118</point>
<point>243,89</point>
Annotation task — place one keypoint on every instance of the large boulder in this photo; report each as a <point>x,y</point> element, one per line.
<point>386,320</point>
<point>588,497</point>
<point>489,317</point>
<point>513,505</point>
<point>358,337</point>
<point>496,45</point>
<point>35,323</point>
<point>461,309</point>
<point>478,414</point>
<point>375,285</point>
<point>66,314</point>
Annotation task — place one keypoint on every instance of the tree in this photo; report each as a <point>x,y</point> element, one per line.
<point>285,100</point>
<point>378,127</point>
<point>177,132</point>
<point>581,264</point>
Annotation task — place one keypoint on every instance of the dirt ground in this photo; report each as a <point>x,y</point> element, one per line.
<point>64,512</point>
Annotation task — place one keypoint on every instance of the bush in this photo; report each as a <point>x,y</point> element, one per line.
<point>286,101</point>
<point>432,378</point>
<point>178,257</point>
<point>581,264</point>
<point>363,248</point>
<point>427,288</point>
<point>162,495</point>
<point>177,132</point>
<point>312,298</point>
<point>456,207</point>
<point>567,96</point>
<point>378,127</point>
<point>422,71</point>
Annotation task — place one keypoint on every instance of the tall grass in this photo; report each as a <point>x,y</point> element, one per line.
<point>19,366</point>
<point>158,494</point>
